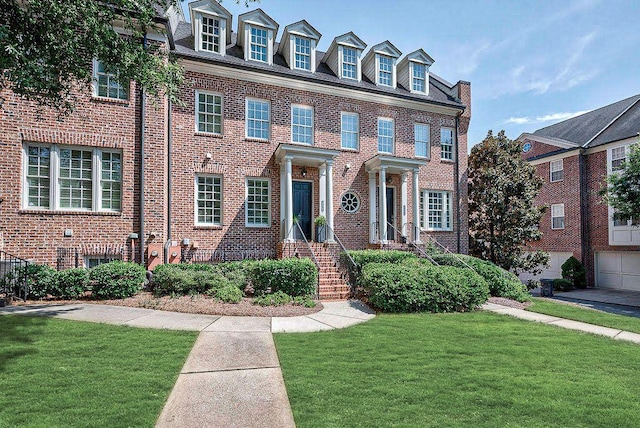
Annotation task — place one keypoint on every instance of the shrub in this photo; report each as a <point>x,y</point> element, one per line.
<point>364,257</point>
<point>237,272</point>
<point>182,279</point>
<point>305,301</point>
<point>295,277</point>
<point>40,280</point>
<point>70,283</point>
<point>575,272</point>
<point>278,298</point>
<point>562,284</point>
<point>229,293</point>
<point>501,282</point>
<point>422,287</point>
<point>116,280</point>
<point>171,279</point>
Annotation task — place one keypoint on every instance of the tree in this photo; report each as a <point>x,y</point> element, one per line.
<point>502,214</point>
<point>623,190</point>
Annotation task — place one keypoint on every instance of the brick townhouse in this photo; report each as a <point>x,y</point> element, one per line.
<point>573,158</point>
<point>272,130</point>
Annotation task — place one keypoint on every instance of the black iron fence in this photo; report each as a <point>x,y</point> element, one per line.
<point>191,255</point>
<point>13,276</point>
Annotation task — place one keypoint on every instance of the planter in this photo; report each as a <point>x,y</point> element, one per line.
<point>321,233</point>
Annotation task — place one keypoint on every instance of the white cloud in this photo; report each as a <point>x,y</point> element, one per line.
<point>552,117</point>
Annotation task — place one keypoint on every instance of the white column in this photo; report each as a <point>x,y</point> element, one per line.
<point>283,206</point>
<point>322,184</point>
<point>382,174</point>
<point>372,207</point>
<point>288,218</point>
<point>416,208</point>
<point>403,203</point>
<point>329,216</point>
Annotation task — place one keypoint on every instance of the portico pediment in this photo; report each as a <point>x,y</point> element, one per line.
<point>393,164</point>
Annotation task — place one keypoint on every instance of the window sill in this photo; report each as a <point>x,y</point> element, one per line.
<point>436,230</point>
<point>257,140</point>
<point>60,212</point>
<point>427,158</point>
<point>109,100</point>
<point>207,227</point>
<point>346,149</point>
<point>207,134</point>
<point>447,160</point>
<point>257,226</point>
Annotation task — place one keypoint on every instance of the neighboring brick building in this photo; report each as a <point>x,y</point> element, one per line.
<point>269,132</point>
<point>573,158</point>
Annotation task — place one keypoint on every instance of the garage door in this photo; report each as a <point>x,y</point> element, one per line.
<point>553,271</point>
<point>618,270</point>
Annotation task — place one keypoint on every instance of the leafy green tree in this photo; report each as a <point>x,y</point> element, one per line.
<point>623,190</point>
<point>502,214</point>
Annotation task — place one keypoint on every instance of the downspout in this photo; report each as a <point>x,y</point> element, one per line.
<point>456,173</point>
<point>142,126</point>
<point>168,243</point>
<point>584,208</point>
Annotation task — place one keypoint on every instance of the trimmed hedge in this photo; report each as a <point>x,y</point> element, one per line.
<point>574,271</point>
<point>228,294</point>
<point>295,277</point>
<point>40,279</point>
<point>501,283</point>
<point>116,280</point>
<point>70,283</point>
<point>182,279</point>
<point>419,287</point>
<point>560,284</point>
<point>364,257</point>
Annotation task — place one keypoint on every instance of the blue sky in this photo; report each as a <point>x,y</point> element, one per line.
<point>530,63</point>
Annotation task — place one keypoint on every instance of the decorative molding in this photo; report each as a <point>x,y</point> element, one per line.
<point>51,136</point>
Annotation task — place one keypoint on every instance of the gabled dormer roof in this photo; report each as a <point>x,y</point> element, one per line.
<point>347,39</point>
<point>385,48</point>
<point>301,28</point>
<point>211,7</point>
<point>258,18</point>
<point>419,56</point>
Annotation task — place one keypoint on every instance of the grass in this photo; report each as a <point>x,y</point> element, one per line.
<point>475,369</point>
<point>590,316</point>
<point>60,373</point>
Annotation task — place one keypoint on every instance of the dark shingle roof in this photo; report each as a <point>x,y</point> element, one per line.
<point>234,57</point>
<point>582,129</point>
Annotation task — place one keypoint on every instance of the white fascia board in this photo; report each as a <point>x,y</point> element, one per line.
<point>547,140</point>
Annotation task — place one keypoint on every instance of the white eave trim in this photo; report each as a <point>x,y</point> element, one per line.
<point>319,88</point>
<point>558,142</point>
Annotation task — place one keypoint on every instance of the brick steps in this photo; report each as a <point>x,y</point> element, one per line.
<point>332,285</point>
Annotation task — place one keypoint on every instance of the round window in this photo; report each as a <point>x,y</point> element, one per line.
<point>350,202</point>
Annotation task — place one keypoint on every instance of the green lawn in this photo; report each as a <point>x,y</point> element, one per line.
<point>473,369</point>
<point>590,316</point>
<point>59,373</point>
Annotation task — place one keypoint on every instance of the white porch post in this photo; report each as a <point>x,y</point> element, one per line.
<point>283,205</point>
<point>382,174</point>
<point>372,207</point>
<point>288,218</point>
<point>322,184</point>
<point>329,196</point>
<point>416,208</point>
<point>403,202</point>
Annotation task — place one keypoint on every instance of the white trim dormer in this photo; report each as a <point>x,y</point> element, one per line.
<point>413,72</point>
<point>256,35</point>
<point>344,56</point>
<point>379,64</point>
<point>298,46</point>
<point>211,26</point>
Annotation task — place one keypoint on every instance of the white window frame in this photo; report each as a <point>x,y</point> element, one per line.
<point>557,212</point>
<point>414,78</point>
<point>343,62</point>
<point>393,134</point>
<point>308,56</point>
<point>246,203</point>
<point>246,126</point>
<point>556,167</point>
<point>95,84</point>
<point>616,151</point>
<point>196,208</point>
<point>303,126</point>
<point>251,43</point>
<point>452,145</point>
<point>54,178</point>
<point>391,71</point>
<point>213,35</point>
<point>427,142</point>
<point>349,131</point>
<point>446,218</point>
<point>197,112</point>
<point>100,260</point>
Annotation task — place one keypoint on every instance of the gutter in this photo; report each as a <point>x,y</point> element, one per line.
<point>584,208</point>
<point>456,173</point>
<point>169,189</point>
<point>142,126</point>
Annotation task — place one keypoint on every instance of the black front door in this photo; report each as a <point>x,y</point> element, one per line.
<point>302,208</point>
<point>391,213</point>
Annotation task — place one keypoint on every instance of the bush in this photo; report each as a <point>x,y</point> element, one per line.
<point>228,294</point>
<point>295,277</point>
<point>575,272</point>
<point>278,298</point>
<point>171,279</point>
<point>305,301</point>
<point>116,280</point>
<point>562,285</point>
<point>501,282</point>
<point>70,283</point>
<point>182,279</point>
<point>40,280</point>
<point>364,257</point>
<point>422,287</point>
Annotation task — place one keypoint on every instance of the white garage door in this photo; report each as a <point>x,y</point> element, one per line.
<point>618,270</point>
<point>553,271</point>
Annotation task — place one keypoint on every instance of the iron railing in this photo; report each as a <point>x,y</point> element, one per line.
<point>67,258</point>
<point>412,244</point>
<point>13,276</point>
<point>351,270</point>
<point>313,257</point>
<point>449,252</point>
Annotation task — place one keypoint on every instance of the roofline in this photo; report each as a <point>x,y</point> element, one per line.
<point>554,153</point>
<point>586,145</point>
<point>558,142</point>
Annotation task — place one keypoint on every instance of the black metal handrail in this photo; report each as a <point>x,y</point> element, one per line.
<point>353,265</point>
<point>13,276</point>
<point>313,257</point>
<point>423,253</point>
<point>449,252</point>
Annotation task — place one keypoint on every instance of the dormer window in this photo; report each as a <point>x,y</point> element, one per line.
<point>302,54</point>
<point>418,77</point>
<point>298,46</point>
<point>379,64</point>
<point>413,72</point>
<point>256,32</point>
<point>349,63</point>
<point>385,70</point>
<point>210,26</point>
<point>344,56</point>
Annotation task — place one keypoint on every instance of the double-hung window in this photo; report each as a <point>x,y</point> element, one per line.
<point>72,178</point>
<point>302,54</point>
<point>385,70</point>
<point>435,210</point>
<point>385,135</point>
<point>210,35</point>
<point>556,170</point>
<point>107,85</point>
<point>418,77</point>
<point>302,124</point>
<point>257,202</point>
<point>422,140</point>
<point>208,200</point>
<point>557,216</point>
<point>258,119</point>
<point>258,44</point>
<point>208,113</point>
<point>618,158</point>
<point>349,63</point>
<point>350,131</point>
<point>446,144</point>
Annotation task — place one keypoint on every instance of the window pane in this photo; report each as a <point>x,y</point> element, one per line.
<point>302,53</point>
<point>422,139</point>
<point>350,131</point>
<point>385,72</point>
<point>302,124</point>
<point>75,180</point>
<point>209,115</point>
<point>209,200</point>
<point>349,63</point>
<point>257,202</point>
<point>258,44</point>
<point>446,143</point>
<point>38,181</point>
<point>385,135</point>
<point>418,80</point>
<point>210,34</point>
<point>258,119</point>
<point>111,180</point>
<point>107,84</point>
